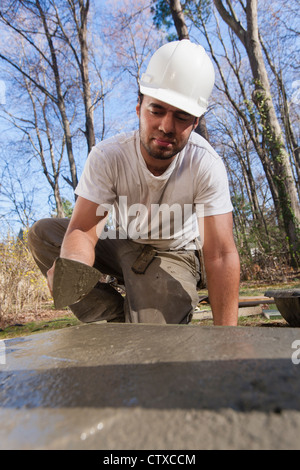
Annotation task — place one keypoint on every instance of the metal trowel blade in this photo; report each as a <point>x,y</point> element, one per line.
<point>72,281</point>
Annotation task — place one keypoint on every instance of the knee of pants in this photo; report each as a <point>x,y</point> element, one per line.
<point>52,229</point>
<point>36,236</point>
<point>45,239</point>
<point>33,234</point>
<point>166,293</point>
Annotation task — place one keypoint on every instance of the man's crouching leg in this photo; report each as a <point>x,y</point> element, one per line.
<point>103,302</point>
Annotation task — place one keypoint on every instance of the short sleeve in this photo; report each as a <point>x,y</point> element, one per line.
<point>212,191</point>
<point>97,181</point>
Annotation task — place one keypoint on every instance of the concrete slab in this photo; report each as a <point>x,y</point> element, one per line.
<point>140,387</point>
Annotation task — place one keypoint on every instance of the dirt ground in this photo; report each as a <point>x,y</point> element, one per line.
<point>47,314</point>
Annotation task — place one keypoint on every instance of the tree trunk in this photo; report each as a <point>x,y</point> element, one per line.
<point>83,63</point>
<point>178,18</point>
<point>60,98</point>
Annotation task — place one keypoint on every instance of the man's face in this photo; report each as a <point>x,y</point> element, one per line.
<point>164,129</point>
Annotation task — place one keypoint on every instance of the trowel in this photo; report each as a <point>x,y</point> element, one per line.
<point>72,281</point>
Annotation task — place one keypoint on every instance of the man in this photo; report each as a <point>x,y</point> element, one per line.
<point>158,181</point>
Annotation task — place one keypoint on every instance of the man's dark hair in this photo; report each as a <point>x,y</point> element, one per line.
<point>140,97</point>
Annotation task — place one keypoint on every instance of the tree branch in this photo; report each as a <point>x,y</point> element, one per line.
<point>38,85</point>
<point>231,20</point>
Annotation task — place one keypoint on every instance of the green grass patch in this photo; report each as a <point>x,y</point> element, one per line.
<point>253,289</point>
<point>37,327</point>
<point>253,320</point>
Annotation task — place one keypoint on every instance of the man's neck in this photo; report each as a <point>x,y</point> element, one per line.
<point>156,166</point>
<point>157,170</point>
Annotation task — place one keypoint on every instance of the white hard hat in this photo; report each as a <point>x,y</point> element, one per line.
<point>181,74</point>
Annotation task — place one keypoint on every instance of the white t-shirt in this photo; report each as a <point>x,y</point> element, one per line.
<point>159,210</point>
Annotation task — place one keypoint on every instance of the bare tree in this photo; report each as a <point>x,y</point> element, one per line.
<point>132,37</point>
<point>54,38</point>
<point>48,55</point>
<point>29,24</point>
<point>21,200</point>
<point>79,10</point>
<point>273,135</point>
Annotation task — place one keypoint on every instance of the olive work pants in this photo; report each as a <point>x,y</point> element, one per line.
<point>165,293</point>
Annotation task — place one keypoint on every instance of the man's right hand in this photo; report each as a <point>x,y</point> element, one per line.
<point>81,236</point>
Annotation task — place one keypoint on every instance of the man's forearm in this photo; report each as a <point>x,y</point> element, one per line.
<point>81,236</point>
<point>78,246</point>
<point>223,276</point>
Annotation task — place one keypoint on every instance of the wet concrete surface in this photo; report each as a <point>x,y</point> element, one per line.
<point>140,387</point>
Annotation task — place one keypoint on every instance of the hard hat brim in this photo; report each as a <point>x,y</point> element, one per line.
<point>175,99</point>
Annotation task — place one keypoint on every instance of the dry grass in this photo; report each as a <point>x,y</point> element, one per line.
<point>22,286</point>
